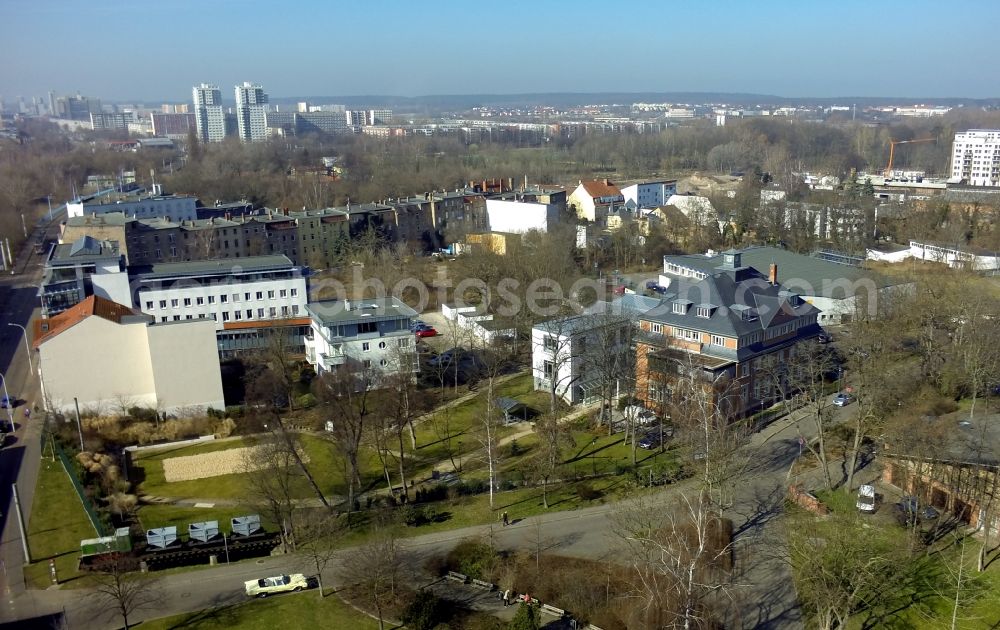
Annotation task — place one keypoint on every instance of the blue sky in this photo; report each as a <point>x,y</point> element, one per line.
<point>155,51</point>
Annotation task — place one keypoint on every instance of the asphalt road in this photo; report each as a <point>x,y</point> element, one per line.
<point>19,458</point>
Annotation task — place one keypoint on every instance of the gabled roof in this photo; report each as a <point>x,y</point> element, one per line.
<point>45,329</point>
<point>743,300</point>
<point>601,188</point>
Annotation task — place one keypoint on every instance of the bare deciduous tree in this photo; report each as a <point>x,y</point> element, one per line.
<point>679,556</point>
<point>346,395</point>
<point>374,568</point>
<point>125,590</point>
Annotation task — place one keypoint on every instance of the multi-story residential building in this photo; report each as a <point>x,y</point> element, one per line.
<point>649,194</point>
<point>209,117</point>
<point>728,334</point>
<point>138,204</point>
<point>253,289</point>
<point>521,212</point>
<point>378,117</point>
<point>304,123</point>
<point>105,120</point>
<point>251,108</point>
<point>76,107</point>
<point>87,266</point>
<point>562,348</point>
<point>594,200</point>
<point>975,157</point>
<point>361,335</point>
<point>104,355</point>
<point>838,290</point>
<point>175,126</point>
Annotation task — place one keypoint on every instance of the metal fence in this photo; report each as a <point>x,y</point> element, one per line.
<point>88,505</point>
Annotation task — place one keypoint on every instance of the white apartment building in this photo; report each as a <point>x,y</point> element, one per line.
<point>210,120</point>
<point>251,108</point>
<point>561,348</point>
<point>649,194</point>
<point>518,214</point>
<point>139,205</point>
<point>362,334</point>
<point>105,354</point>
<point>379,117</point>
<point>234,293</point>
<point>975,157</point>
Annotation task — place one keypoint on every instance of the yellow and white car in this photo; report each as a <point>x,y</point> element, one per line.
<point>278,584</point>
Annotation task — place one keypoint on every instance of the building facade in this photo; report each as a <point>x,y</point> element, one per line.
<point>371,336</point>
<point>173,126</point>
<point>74,271</point>
<point>727,334</point>
<point>251,109</point>
<point>105,355</point>
<point>210,119</point>
<point>649,194</point>
<point>975,157</point>
<point>595,200</point>
<point>255,289</point>
<point>138,204</point>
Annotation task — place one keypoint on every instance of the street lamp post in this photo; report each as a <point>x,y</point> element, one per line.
<point>24,226</point>
<point>10,403</point>
<point>26,347</point>
<point>48,199</point>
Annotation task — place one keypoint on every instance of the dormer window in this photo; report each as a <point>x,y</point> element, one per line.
<point>704,311</point>
<point>679,308</point>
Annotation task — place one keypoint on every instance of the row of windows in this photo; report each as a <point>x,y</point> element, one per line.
<point>270,313</point>
<point>224,298</point>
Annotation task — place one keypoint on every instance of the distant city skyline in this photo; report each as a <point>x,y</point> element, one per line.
<point>156,52</point>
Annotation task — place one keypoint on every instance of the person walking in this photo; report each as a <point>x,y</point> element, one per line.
<point>506,520</point>
<point>506,598</point>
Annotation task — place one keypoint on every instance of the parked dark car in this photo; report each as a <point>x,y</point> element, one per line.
<point>652,438</point>
<point>824,338</point>
<point>910,512</point>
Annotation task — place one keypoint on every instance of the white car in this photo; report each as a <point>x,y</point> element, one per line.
<point>279,584</point>
<point>867,499</point>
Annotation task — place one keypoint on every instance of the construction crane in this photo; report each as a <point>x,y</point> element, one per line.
<point>892,151</point>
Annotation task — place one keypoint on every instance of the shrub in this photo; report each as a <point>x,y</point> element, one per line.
<point>472,558</point>
<point>587,492</point>
<point>425,612</point>
<point>305,400</point>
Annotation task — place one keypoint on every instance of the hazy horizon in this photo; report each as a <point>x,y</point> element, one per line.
<point>157,52</point>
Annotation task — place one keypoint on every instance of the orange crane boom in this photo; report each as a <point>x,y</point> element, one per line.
<point>892,151</point>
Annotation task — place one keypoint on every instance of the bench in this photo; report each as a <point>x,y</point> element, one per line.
<point>552,610</point>
<point>457,577</point>
<point>483,584</point>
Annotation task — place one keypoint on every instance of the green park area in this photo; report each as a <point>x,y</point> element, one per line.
<point>298,610</point>
<point>57,525</point>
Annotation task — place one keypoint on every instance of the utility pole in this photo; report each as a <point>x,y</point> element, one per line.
<point>24,226</point>
<point>79,428</point>
<point>48,198</point>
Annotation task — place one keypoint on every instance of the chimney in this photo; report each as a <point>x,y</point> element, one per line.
<point>606,182</point>
<point>773,274</point>
<point>347,305</point>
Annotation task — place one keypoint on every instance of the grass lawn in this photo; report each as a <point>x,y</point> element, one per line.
<point>927,599</point>
<point>323,463</point>
<point>57,525</point>
<point>164,515</point>
<point>294,610</point>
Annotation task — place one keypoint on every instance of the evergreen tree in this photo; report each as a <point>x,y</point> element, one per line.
<point>525,619</point>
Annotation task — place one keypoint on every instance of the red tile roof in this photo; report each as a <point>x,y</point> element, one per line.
<point>601,188</point>
<point>45,329</point>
